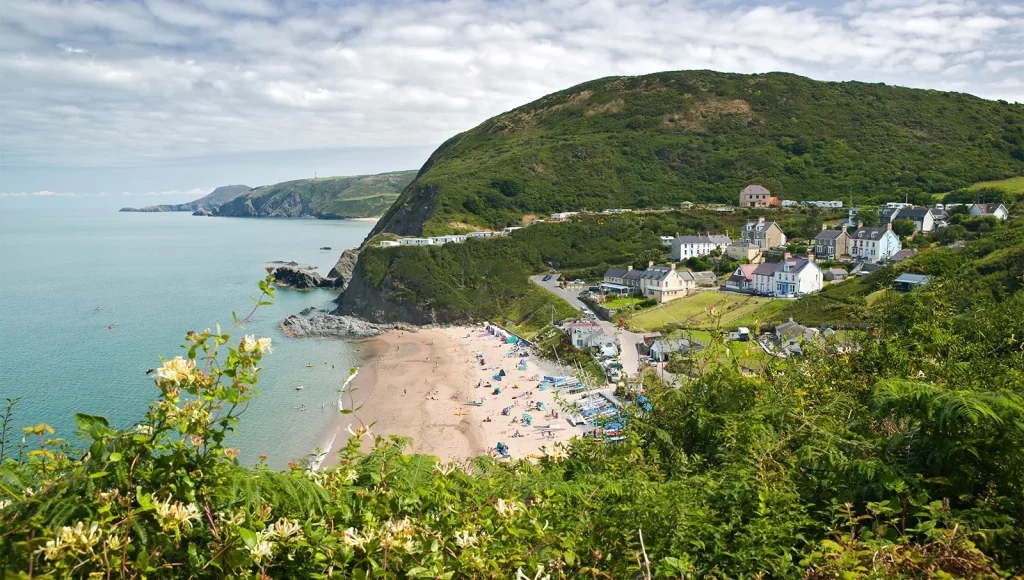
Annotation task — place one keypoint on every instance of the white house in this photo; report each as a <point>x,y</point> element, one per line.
<point>923,217</point>
<point>666,240</point>
<point>480,234</point>
<point>664,283</point>
<point>388,243</point>
<point>996,210</point>
<point>416,242</point>
<point>508,231</point>
<point>826,204</point>
<point>790,277</point>
<point>684,247</point>
<point>874,244</point>
<point>789,203</point>
<point>562,216</point>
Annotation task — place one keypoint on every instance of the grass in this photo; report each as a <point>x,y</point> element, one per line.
<point>623,302</point>
<point>1012,185</point>
<point>695,311</point>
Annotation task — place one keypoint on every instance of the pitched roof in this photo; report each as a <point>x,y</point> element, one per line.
<point>615,273</point>
<point>913,213</point>
<point>755,189</point>
<point>633,275</point>
<point>708,276</point>
<point>870,233</point>
<point>912,279</point>
<point>829,234</point>
<point>987,208</point>
<point>759,227</point>
<point>703,239</point>
<point>656,273</point>
<point>770,268</point>
<point>903,255</point>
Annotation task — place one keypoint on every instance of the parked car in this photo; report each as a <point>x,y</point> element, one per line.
<point>546,278</point>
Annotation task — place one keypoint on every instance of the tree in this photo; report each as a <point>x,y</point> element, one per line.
<point>903,227</point>
<point>812,223</point>
<point>870,218</point>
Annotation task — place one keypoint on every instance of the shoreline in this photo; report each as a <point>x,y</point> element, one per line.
<point>418,384</point>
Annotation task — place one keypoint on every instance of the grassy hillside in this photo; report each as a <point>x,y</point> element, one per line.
<point>709,310</point>
<point>208,202</point>
<point>324,197</point>
<point>702,136</point>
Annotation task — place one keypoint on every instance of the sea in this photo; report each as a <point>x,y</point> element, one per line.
<point>91,298</point>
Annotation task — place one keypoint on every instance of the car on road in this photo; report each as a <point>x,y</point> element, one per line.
<point>546,278</point>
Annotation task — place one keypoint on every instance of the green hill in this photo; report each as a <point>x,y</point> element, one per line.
<point>324,197</point>
<point>665,138</point>
<point>208,202</point>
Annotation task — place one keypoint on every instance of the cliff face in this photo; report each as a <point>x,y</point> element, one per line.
<point>325,198</point>
<point>207,203</point>
<point>362,300</point>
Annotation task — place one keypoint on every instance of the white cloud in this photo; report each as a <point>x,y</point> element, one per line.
<point>137,82</point>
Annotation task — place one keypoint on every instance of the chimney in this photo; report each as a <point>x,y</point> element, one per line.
<point>860,225</point>
<point>888,226</point>
<point>673,265</point>
<point>844,228</point>
<point>629,268</point>
<point>787,256</point>
<point>760,220</point>
<point>824,227</point>
<point>650,264</point>
<point>810,255</point>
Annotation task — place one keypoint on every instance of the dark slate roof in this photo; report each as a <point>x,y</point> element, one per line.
<point>759,226</point>
<point>704,239</point>
<point>913,213</point>
<point>633,275</point>
<point>829,235</point>
<point>913,279</point>
<point>704,276</point>
<point>903,255</point>
<point>987,208</point>
<point>615,273</point>
<point>870,233</point>
<point>656,273</point>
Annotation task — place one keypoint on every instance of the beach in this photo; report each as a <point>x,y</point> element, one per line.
<point>418,385</point>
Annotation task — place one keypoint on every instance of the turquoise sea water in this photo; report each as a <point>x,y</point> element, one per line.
<point>156,276</point>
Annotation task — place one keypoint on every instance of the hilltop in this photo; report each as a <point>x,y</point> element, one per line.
<point>324,197</point>
<point>208,202</point>
<point>665,138</point>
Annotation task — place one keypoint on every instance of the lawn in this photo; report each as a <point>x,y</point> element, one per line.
<point>696,311</point>
<point>622,302</point>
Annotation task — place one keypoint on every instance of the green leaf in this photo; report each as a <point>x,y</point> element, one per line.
<point>248,536</point>
<point>115,456</point>
<point>97,475</point>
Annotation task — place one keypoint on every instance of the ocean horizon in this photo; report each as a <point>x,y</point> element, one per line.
<point>92,298</point>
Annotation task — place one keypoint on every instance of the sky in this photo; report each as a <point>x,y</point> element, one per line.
<point>171,98</point>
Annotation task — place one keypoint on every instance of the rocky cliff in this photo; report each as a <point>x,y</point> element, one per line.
<point>359,196</point>
<point>201,206</point>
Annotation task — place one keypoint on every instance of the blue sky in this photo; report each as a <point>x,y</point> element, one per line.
<point>169,98</point>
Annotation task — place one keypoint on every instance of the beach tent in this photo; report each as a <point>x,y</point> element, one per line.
<point>501,373</point>
<point>511,339</point>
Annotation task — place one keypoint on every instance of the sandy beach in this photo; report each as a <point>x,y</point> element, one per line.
<point>418,385</point>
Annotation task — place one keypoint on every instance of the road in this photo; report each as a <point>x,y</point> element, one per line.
<point>630,356</point>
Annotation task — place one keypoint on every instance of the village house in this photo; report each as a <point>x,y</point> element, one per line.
<point>874,244</point>
<point>742,278</point>
<point>996,210</point>
<point>908,282</point>
<point>832,244</point>
<point>664,283</point>
<point>903,255</point>
<point>790,277</point>
<point>743,251</point>
<point>685,247</point>
<point>757,196</point>
<point>834,275</point>
<point>763,234</point>
<point>663,349</point>
<point>666,240</point>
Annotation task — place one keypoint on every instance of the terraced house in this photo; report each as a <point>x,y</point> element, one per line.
<point>685,247</point>
<point>791,277</point>
<point>763,234</point>
<point>874,244</point>
<point>832,244</point>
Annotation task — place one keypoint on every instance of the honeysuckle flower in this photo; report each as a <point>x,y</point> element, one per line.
<point>116,542</point>
<point>231,452</point>
<point>506,509</point>
<point>556,452</point>
<point>4,503</point>
<point>143,429</point>
<point>263,345</point>
<point>261,549</point>
<point>286,530</point>
<point>538,576</point>
<point>352,539</point>
<point>248,343</point>
<point>176,370</point>
<point>77,539</point>
<point>174,514</point>
<point>360,432</point>
<point>444,468</point>
<point>465,539</point>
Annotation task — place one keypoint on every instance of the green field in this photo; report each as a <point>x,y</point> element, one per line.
<point>709,310</point>
<point>623,302</point>
<point>1011,185</point>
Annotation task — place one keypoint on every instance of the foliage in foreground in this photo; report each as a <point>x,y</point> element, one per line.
<point>902,458</point>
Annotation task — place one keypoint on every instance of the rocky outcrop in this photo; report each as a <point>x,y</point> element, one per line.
<point>332,326</point>
<point>345,266</point>
<point>304,278</point>
<point>361,300</point>
<point>202,212</point>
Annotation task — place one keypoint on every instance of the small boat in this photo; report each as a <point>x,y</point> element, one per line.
<point>310,365</point>
<point>300,388</point>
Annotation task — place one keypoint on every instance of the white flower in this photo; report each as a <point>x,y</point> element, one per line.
<point>176,370</point>
<point>444,468</point>
<point>174,514</point>
<point>262,549</point>
<point>142,429</point>
<point>465,539</point>
<point>538,576</point>
<point>72,540</point>
<point>352,539</point>
<point>263,345</point>
<point>4,503</point>
<point>284,530</point>
<point>556,452</point>
<point>248,343</point>
<point>506,509</point>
